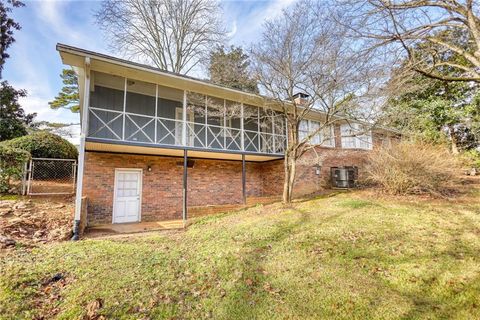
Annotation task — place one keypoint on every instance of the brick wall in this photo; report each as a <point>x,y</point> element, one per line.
<point>210,182</point>
<point>161,192</point>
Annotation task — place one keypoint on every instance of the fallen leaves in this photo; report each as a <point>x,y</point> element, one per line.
<point>93,308</point>
<point>33,221</point>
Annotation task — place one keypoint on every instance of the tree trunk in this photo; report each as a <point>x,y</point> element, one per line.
<point>289,180</point>
<point>453,139</point>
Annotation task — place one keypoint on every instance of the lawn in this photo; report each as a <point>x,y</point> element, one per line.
<point>350,255</point>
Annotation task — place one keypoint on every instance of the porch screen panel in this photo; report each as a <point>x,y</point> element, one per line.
<point>169,128</point>
<point>196,128</point>
<point>105,119</point>
<point>215,121</point>
<point>250,125</point>
<point>233,134</point>
<point>266,128</point>
<point>279,130</point>
<point>140,109</point>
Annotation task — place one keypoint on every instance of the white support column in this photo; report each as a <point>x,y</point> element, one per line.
<point>259,138</point>
<point>124,108</point>
<point>184,119</point>
<point>156,113</point>
<point>224,124</point>
<point>206,123</point>
<point>83,133</point>
<point>273,133</point>
<point>242,132</point>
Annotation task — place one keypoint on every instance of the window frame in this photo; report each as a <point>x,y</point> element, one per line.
<point>362,141</point>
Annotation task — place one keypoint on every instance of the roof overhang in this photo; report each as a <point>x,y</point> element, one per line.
<point>93,145</point>
<point>75,57</point>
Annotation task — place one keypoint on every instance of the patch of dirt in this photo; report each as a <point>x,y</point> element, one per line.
<point>31,221</point>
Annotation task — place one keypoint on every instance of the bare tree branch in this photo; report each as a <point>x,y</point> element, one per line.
<point>173,35</point>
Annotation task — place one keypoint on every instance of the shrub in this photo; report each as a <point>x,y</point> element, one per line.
<point>472,158</point>
<point>11,167</point>
<point>44,144</point>
<point>412,167</point>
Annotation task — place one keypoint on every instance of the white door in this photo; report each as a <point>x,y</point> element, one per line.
<point>128,192</point>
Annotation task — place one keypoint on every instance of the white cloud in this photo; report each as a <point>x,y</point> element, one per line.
<point>250,24</point>
<point>232,33</point>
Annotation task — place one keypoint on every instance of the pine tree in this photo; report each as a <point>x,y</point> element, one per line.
<point>229,67</point>
<point>68,97</point>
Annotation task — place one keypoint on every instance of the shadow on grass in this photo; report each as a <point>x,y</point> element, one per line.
<point>252,290</point>
<point>435,297</point>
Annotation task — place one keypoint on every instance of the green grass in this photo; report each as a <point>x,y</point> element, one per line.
<point>348,256</point>
<point>10,197</point>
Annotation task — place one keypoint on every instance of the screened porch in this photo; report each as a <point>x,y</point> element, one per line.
<point>137,112</point>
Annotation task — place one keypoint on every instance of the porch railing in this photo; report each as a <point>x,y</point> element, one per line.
<point>137,128</point>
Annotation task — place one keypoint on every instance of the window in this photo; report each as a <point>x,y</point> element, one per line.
<point>355,137</point>
<point>302,130</point>
<point>328,136</point>
<point>315,126</point>
<point>325,136</point>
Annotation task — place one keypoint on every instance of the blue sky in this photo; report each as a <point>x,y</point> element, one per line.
<point>35,65</point>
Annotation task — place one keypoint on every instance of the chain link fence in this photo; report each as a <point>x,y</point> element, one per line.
<point>50,176</point>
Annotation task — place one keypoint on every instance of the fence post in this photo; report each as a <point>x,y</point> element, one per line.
<point>24,178</point>
<point>74,175</point>
<point>29,185</point>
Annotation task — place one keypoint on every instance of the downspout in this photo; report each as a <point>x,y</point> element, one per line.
<point>184,189</point>
<point>185,159</point>
<point>81,156</point>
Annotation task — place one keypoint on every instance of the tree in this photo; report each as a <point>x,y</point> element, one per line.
<point>173,35</point>
<point>13,119</point>
<point>230,67</point>
<point>7,27</point>
<point>306,50</point>
<point>444,27</point>
<point>68,97</point>
<point>64,130</point>
<point>435,109</point>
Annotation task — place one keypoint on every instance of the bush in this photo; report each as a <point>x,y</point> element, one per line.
<point>472,158</point>
<point>11,167</point>
<point>44,144</point>
<point>408,168</point>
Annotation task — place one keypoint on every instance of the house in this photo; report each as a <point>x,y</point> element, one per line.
<point>155,144</point>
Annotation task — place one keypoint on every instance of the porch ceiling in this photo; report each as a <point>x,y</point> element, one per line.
<point>122,148</point>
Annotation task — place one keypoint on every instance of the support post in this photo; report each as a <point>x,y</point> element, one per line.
<point>206,123</point>
<point>274,137</point>
<point>185,176</point>
<point>242,129</point>
<point>259,138</point>
<point>125,86</point>
<point>156,113</point>
<point>184,119</point>
<point>224,124</point>
<point>81,156</point>
<point>244,181</point>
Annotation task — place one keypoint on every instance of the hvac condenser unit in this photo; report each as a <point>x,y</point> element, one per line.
<point>344,177</point>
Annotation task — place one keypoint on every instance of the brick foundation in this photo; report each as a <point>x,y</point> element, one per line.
<point>210,182</point>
